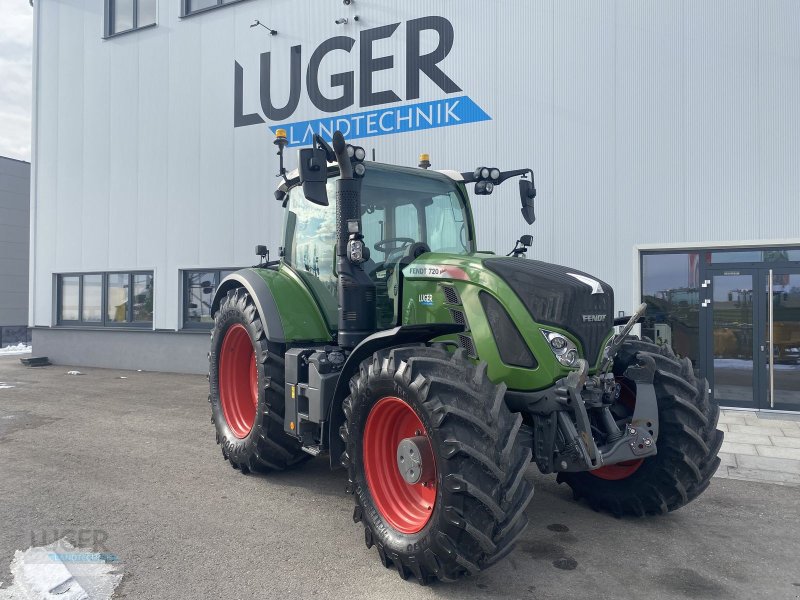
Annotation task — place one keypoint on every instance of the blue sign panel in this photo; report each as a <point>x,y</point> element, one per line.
<point>397,119</point>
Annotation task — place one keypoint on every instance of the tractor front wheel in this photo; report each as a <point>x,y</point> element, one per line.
<point>435,462</point>
<point>688,441</point>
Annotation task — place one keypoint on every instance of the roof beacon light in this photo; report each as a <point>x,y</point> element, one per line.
<point>424,161</point>
<point>281,142</point>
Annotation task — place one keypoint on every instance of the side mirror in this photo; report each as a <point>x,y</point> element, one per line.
<point>313,166</point>
<point>527,192</point>
<point>526,240</point>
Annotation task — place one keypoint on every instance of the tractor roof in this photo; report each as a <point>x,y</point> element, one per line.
<point>293,176</point>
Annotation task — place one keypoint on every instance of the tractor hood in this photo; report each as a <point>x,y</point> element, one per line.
<point>553,295</point>
<point>560,296</point>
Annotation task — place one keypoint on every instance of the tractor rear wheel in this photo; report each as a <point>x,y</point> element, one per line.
<point>688,442</point>
<point>435,461</point>
<point>246,390</point>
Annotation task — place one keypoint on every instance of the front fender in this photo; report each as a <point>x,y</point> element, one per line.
<point>398,336</point>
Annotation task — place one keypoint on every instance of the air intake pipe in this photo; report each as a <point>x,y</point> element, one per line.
<point>356,289</point>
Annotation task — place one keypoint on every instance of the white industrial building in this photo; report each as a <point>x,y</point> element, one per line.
<point>665,138</point>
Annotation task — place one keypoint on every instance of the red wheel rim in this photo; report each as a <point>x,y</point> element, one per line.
<point>623,470</point>
<point>407,508</point>
<point>238,381</point>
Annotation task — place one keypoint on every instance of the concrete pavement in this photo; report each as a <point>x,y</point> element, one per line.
<point>760,447</point>
<point>131,466</point>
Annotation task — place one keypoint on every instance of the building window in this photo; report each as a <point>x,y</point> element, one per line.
<point>190,7</point>
<point>117,297</point>
<point>142,306</point>
<point>127,15</point>
<point>92,307</point>
<point>105,299</point>
<point>70,298</point>
<point>199,288</point>
<point>671,289</point>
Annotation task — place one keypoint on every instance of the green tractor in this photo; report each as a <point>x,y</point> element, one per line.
<point>435,373</point>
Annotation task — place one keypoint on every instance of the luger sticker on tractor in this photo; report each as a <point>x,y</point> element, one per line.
<point>434,373</point>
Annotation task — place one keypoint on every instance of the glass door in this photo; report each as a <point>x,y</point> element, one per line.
<point>780,388</point>
<point>731,308</point>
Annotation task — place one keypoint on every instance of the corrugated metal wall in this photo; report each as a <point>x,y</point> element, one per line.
<point>15,183</point>
<point>644,122</point>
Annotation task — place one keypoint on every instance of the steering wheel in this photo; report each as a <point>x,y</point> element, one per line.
<point>405,241</point>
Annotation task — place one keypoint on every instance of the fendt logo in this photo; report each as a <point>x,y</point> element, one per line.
<point>452,110</point>
<point>594,318</point>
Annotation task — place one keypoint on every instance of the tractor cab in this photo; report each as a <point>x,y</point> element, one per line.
<point>405,212</point>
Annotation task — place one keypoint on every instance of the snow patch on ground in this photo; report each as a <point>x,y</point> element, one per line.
<point>16,349</point>
<point>59,571</point>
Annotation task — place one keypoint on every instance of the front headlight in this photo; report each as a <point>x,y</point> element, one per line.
<point>564,349</point>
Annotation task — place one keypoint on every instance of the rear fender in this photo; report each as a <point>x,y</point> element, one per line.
<point>288,310</point>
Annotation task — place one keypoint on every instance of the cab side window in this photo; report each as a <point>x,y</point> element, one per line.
<point>309,247</point>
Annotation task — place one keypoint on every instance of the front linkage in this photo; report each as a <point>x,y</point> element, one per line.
<point>563,434</point>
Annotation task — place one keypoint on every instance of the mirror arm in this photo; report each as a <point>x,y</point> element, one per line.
<point>515,173</point>
<point>470,176</point>
<point>330,155</point>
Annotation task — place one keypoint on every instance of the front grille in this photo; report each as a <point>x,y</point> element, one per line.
<point>467,344</point>
<point>450,295</point>
<point>554,297</point>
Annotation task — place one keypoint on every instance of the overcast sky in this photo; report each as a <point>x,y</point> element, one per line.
<point>16,37</point>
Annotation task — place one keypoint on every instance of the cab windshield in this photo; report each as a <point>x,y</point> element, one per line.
<point>400,207</point>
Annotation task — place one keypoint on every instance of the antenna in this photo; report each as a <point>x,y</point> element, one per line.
<point>258,23</point>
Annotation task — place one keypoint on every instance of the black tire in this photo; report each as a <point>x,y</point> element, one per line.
<point>688,442</point>
<point>267,447</point>
<point>481,492</point>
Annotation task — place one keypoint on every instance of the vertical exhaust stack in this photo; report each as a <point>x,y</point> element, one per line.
<point>357,317</point>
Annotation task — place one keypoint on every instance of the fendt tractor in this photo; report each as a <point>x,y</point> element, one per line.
<point>435,373</point>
